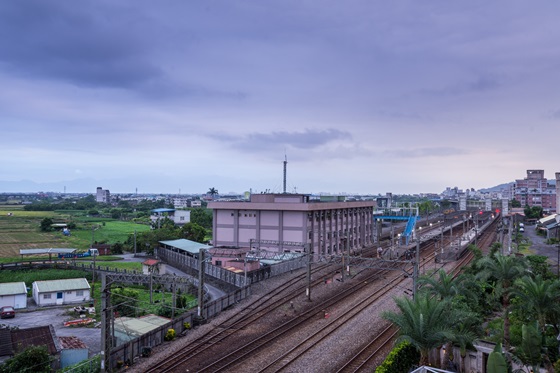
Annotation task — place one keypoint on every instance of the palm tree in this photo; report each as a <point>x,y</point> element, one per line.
<point>503,271</point>
<point>442,287</point>
<point>448,287</point>
<point>212,191</point>
<point>424,322</point>
<point>538,297</point>
<point>465,337</point>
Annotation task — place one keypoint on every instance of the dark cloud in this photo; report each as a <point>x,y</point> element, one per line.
<point>58,40</point>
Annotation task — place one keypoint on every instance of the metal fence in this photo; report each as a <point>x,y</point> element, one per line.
<point>190,265</point>
<point>129,352</point>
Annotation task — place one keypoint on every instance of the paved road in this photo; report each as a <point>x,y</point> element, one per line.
<point>539,247</point>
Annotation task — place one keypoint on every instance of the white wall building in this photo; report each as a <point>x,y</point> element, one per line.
<point>13,294</point>
<point>58,292</point>
<point>103,195</point>
<point>179,217</point>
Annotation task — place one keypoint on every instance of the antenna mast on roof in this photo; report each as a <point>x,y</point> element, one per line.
<point>285,171</point>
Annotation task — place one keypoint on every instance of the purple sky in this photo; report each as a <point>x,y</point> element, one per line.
<point>362,96</point>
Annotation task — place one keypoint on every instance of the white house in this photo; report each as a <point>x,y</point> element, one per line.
<point>179,217</point>
<point>13,294</point>
<point>58,292</point>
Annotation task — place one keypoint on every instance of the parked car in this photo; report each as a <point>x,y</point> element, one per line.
<point>7,312</point>
<point>521,229</point>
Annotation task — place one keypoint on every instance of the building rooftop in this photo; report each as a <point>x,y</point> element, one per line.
<point>46,251</point>
<point>62,285</point>
<point>186,245</point>
<point>13,288</point>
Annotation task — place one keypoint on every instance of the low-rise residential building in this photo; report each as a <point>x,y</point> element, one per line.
<point>179,217</point>
<point>13,294</point>
<point>59,292</point>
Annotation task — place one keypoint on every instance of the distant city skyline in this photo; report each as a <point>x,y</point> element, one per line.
<point>73,188</point>
<point>363,97</point>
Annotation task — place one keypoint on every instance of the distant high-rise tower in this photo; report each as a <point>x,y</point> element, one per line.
<point>557,192</point>
<point>103,195</point>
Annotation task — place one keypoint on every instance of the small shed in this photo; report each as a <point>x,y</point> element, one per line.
<point>102,248</point>
<point>153,267</point>
<point>129,328</point>
<point>13,294</point>
<point>59,292</point>
<point>73,350</point>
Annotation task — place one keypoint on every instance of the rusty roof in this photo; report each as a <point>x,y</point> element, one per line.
<point>71,342</point>
<point>151,262</point>
<point>37,336</point>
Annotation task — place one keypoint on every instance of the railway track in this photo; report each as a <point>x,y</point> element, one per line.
<point>216,346</point>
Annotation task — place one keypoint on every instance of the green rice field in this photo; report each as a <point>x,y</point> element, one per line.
<point>20,229</point>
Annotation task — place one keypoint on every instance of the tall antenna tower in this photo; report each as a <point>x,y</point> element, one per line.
<point>285,171</point>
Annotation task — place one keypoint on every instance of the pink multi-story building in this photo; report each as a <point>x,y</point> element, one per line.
<point>535,190</point>
<point>291,223</point>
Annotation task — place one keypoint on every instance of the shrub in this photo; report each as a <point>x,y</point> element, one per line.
<point>170,335</point>
<point>400,359</point>
<point>187,325</point>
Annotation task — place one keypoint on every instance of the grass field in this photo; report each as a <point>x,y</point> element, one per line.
<point>19,229</point>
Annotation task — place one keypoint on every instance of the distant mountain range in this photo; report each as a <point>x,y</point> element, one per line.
<point>497,188</point>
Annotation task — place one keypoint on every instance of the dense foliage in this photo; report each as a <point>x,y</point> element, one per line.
<point>400,359</point>
<point>34,359</point>
<point>515,298</point>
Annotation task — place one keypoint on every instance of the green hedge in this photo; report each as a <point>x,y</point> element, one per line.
<point>400,359</point>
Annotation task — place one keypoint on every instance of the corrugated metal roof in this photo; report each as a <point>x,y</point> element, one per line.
<point>135,327</point>
<point>186,245</point>
<point>62,285</point>
<point>46,251</point>
<point>547,219</point>
<point>6,342</point>
<point>13,288</point>
<point>36,336</point>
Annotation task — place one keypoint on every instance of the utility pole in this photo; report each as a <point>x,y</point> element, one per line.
<point>201,268</point>
<point>309,259</point>
<point>342,254</point>
<point>106,338</point>
<point>415,273</point>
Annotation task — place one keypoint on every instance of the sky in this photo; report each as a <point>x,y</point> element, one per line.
<point>368,97</point>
